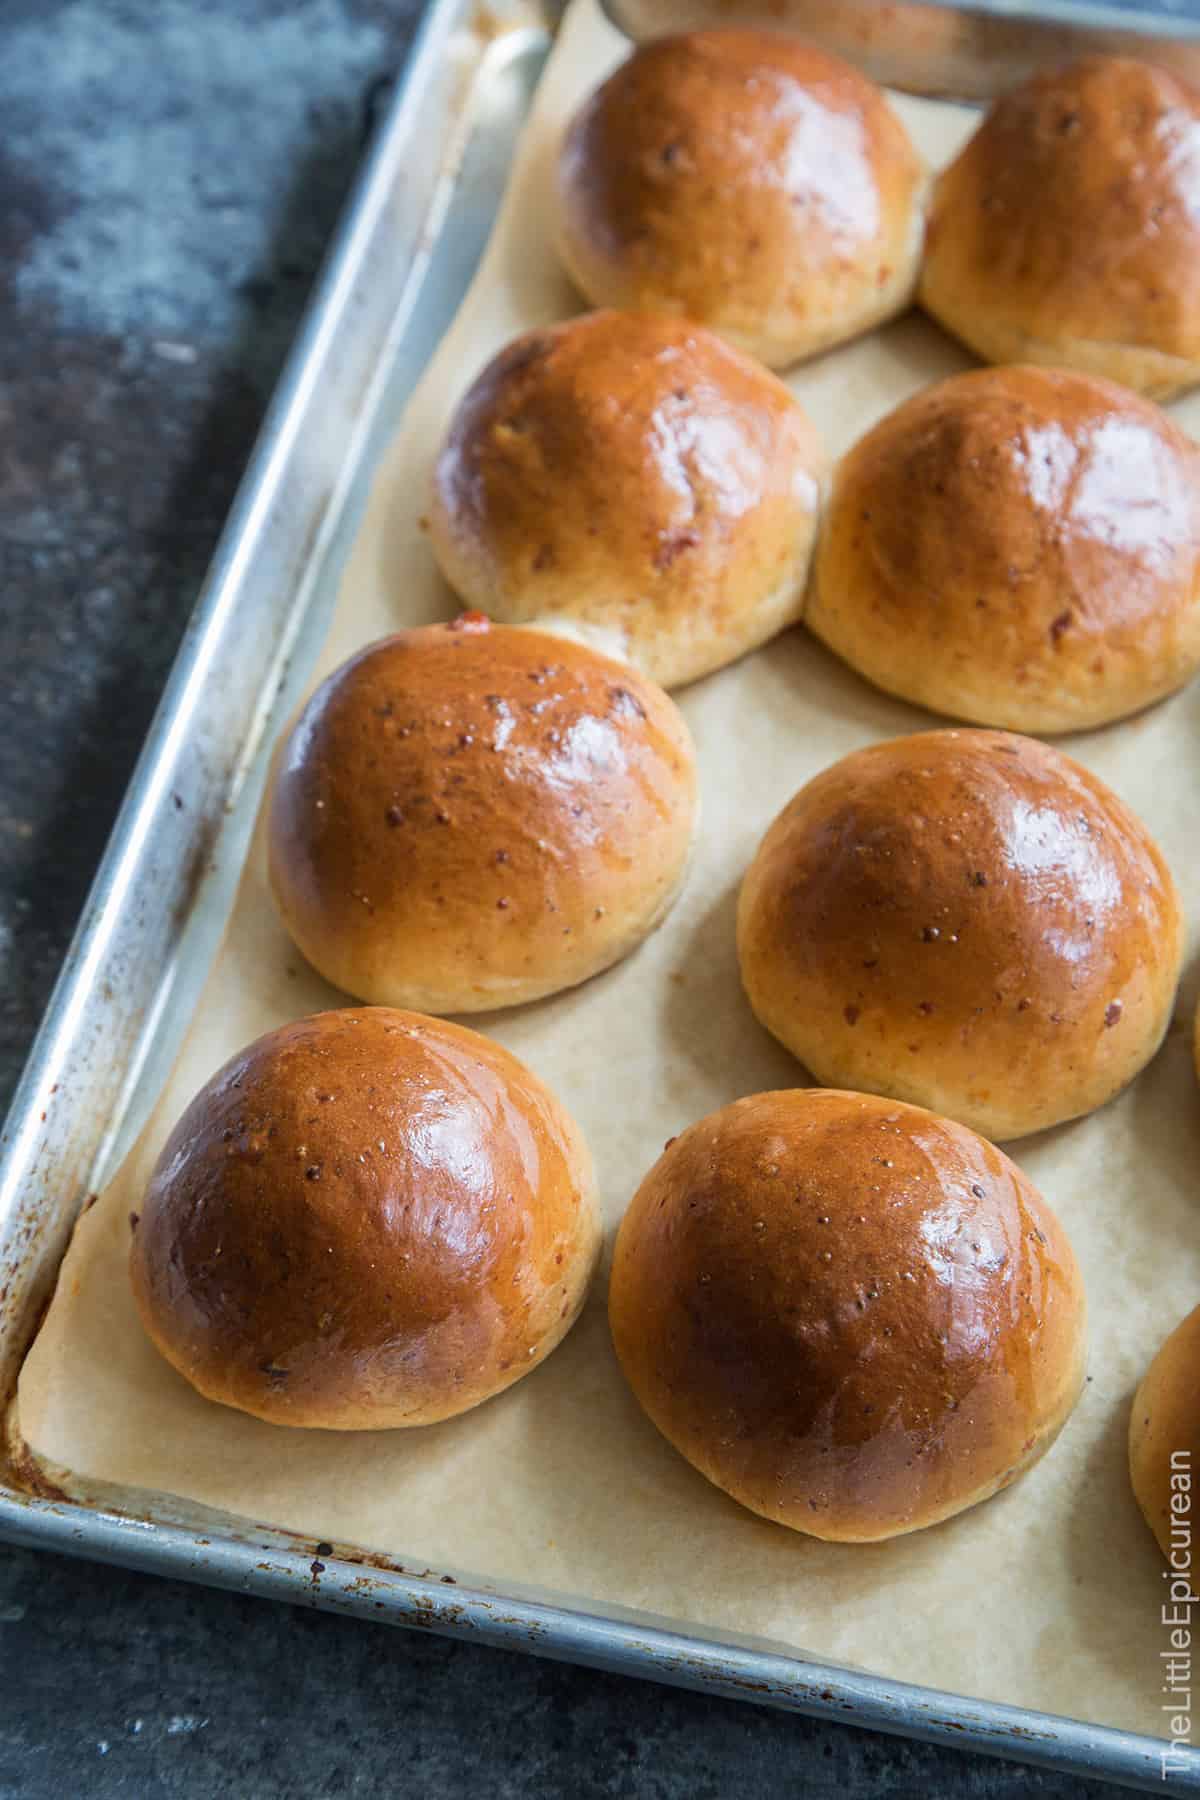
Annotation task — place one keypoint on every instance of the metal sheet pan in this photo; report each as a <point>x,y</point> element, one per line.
<point>970,52</point>
<point>412,234</point>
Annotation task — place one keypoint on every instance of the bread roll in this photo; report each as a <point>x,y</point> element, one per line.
<point>1016,547</point>
<point>854,1317</point>
<point>469,816</point>
<point>1164,1446</point>
<point>966,920</point>
<point>923,49</point>
<point>638,478</point>
<point>365,1219</point>
<point>1067,231</point>
<point>747,180</point>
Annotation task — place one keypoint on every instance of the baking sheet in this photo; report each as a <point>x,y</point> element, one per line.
<point>1047,1596</point>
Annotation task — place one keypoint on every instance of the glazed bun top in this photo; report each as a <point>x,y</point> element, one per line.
<point>1016,547</point>
<point>853,1316</point>
<point>747,180</point>
<point>636,477</point>
<point>1067,230</point>
<point>967,920</point>
<point>1165,1423</point>
<point>470,816</point>
<point>908,44</point>
<point>365,1219</point>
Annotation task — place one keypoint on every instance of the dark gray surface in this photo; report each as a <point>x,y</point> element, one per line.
<point>168,174</point>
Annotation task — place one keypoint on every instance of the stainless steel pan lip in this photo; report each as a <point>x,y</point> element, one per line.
<point>165,884</point>
<point>422,207</point>
<point>274,1566</point>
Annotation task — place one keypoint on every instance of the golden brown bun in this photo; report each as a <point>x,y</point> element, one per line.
<point>854,1317</point>
<point>1165,1423</point>
<point>365,1219</point>
<point>920,48</point>
<point>749,181</point>
<point>1016,547</point>
<point>1067,231</point>
<point>636,477</point>
<point>967,920</point>
<point>470,816</point>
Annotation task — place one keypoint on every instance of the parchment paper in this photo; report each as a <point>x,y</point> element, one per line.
<point>1047,1596</point>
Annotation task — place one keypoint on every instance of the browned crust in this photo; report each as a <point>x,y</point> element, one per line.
<point>1016,547</point>
<point>636,476</point>
<point>469,816</point>
<point>1065,231</point>
<point>967,920</point>
<point>1164,1444</point>
<point>365,1219</point>
<point>853,1316</point>
<point>747,180</point>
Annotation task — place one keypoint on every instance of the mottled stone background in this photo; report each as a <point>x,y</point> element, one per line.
<point>169,173</point>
